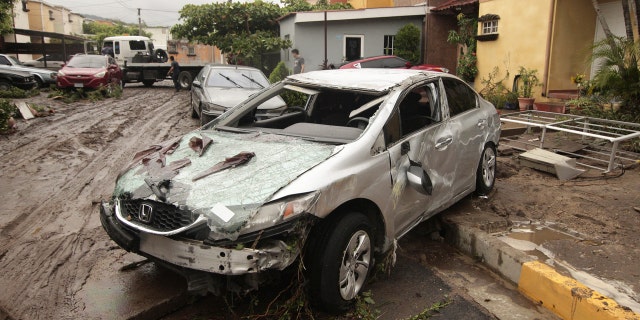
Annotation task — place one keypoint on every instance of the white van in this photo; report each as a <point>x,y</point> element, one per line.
<point>134,49</point>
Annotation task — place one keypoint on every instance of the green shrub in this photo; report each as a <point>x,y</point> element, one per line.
<point>280,72</point>
<point>7,110</point>
<point>407,43</point>
<point>17,93</point>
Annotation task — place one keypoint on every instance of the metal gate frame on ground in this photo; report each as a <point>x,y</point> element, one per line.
<point>596,131</point>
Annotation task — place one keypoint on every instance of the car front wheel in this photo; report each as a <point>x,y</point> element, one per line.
<point>486,174</point>
<point>343,257</point>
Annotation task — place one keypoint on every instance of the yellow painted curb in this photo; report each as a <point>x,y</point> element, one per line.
<point>567,297</point>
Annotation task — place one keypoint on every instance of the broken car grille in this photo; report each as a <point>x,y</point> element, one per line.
<point>155,215</point>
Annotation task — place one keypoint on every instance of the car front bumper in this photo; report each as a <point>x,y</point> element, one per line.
<point>191,254</point>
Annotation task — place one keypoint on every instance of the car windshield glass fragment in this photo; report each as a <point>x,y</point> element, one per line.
<point>233,78</point>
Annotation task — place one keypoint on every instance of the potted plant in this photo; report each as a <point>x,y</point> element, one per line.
<point>527,80</point>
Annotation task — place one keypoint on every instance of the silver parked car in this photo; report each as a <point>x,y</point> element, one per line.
<point>218,87</point>
<point>43,77</point>
<point>359,159</point>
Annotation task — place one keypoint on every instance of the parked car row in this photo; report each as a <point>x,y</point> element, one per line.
<point>43,77</point>
<point>81,71</point>
<point>328,167</point>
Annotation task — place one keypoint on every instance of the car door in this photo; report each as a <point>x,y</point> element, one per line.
<point>197,91</point>
<point>418,132</point>
<point>468,124</point>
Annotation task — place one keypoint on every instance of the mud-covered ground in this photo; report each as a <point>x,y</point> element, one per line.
<point>56,169</point>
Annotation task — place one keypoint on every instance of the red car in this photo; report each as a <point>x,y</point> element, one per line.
<point>90,71</point>
<point>393,62</point>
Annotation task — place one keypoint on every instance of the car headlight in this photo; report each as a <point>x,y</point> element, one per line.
<point>53,75</point>
<point>281,211</point>
<point>100,74</point>
<point>212,107</point>
<point>60,73</point>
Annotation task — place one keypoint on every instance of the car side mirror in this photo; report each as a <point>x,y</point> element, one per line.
<point>418,179</point>
<point>408,65</point>
<point>196,84</point>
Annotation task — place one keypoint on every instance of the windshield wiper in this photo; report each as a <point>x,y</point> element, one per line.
<point>250,79</point>
<point>229,79</point>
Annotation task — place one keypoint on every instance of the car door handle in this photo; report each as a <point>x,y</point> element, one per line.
<point>441,143</point>
<point>482,123</point>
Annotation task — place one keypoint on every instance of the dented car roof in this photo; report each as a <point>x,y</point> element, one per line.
<point>375,80</point>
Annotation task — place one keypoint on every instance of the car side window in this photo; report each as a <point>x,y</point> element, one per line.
<point>460,97</point>
<point>394,63</point>
<point>372,64</point>
<point>4,61</point>
<point>392,129</point>
<point>419,108</point>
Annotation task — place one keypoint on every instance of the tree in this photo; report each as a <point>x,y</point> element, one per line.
<point>407,43</point>
<point>242,30</point>
<point>6,7</point>
<point>466,37</point>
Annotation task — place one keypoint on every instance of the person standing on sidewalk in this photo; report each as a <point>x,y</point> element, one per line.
<point>174,71</point>
<point>298,62</point>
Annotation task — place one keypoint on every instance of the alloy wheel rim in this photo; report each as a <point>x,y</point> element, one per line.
<point>488,166</point>
<point>356,259</point>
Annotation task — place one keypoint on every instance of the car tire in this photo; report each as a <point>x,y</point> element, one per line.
<point>341,259</point>
<point>194,113</point>
<point>185,79</point>
<point>39,83</point>
<point>148,83</point>
<point>486,173</point>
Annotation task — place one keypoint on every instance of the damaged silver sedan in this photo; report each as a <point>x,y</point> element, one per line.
<point>358,158</point>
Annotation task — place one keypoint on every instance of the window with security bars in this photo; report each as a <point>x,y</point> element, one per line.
<point>388,45</point>
<point>490,27</point>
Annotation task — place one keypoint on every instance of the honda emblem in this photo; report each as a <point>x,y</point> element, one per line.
<point>145,213</point>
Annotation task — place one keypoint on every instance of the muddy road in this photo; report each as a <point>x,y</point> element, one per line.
<point>55,170</point>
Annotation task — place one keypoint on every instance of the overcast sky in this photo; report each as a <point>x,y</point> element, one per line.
<point>152,12</point>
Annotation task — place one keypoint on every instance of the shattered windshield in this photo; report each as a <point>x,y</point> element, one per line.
<point>319,114</point>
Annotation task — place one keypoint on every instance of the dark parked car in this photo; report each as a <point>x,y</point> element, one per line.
<point>19,79</point>
<point>219,87</point>
<point>362,157</point>
<point>393,62</point>
<point>90,71</point>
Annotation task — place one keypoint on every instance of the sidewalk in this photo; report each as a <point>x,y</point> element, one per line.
<point>477,236</point>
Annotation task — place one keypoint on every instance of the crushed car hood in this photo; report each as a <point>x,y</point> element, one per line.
<point>244,171</point>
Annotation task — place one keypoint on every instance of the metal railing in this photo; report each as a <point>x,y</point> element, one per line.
<point>600,138</point>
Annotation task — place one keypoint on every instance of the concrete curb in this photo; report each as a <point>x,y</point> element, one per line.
<point>566,297</point>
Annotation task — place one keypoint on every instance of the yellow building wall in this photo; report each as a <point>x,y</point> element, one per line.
<point>522,29</point>
<point>573,33</point>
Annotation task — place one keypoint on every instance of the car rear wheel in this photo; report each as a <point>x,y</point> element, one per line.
<point>185,79</point>
<point>39,83</point>
<point>486,174</point>
<point>342,258</point>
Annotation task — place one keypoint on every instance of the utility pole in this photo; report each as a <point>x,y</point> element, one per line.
<point>139,23</point>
